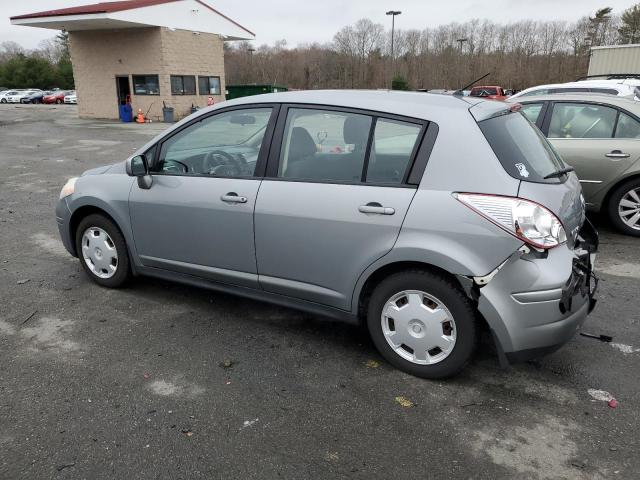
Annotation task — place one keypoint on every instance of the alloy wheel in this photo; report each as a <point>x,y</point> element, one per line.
<point>629,208</point>
<point>418,327</point>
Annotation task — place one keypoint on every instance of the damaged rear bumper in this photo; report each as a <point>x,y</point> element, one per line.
<point>536,302</point>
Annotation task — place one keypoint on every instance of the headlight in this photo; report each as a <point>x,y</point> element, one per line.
<point>69,187</point>
<point>524,219</point>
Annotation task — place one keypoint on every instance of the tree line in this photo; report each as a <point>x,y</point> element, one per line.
<point>45,67</point>
<point>516,55</point>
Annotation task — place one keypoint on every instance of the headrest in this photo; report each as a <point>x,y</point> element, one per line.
<point>356,130</point>
<point>302,145</point>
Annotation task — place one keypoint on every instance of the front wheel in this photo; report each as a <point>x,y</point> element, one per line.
<point>422,323</point>
<point>624,207</point>
<point>102,251</point>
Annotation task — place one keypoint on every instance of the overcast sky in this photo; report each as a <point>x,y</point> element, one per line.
<point>300,21</point>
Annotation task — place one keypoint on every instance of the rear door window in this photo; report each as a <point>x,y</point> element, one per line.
<point>393,146</point>
<point>522,150</point>
<point>582,120</point>
<point>324,145</point>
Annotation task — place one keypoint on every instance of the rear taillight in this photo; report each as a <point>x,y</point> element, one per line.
<point>530,222</point>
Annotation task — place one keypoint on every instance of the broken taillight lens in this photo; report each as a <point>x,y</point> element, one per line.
<point>530,222</point>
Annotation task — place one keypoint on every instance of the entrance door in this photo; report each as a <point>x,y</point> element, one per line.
<point>123,89</point>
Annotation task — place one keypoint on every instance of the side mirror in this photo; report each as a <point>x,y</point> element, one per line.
<point>137,166</point>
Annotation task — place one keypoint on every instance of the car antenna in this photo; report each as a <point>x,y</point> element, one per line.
<point>460,91</point>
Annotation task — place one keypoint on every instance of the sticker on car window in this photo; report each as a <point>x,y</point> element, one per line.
<point>522,169</point>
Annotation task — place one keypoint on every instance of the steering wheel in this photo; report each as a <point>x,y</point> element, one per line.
<point>219,162</point>
<point>172,166</point>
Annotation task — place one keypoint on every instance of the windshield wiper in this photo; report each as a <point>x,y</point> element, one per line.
<point>559,173</point>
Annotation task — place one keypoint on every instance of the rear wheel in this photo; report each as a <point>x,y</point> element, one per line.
<point>102,251</point>
<point>422,323</point>
<point>624,207</point>
<point>58,101</point>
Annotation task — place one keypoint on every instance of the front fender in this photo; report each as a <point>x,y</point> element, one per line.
<point>109,193</point>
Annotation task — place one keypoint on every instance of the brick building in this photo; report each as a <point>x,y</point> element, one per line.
<point>151,51</point>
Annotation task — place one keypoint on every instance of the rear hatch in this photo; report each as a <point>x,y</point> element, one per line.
<point>527,156</point>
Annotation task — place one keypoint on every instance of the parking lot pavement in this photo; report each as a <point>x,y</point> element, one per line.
<point>166,381</point>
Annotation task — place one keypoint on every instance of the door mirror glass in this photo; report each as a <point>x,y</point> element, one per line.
<point>138,166</point>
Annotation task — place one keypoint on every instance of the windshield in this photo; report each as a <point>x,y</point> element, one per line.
<point>522,150</point>
<point>483,91</point>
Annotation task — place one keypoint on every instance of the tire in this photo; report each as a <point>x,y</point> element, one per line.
<point>105,271</point>
<point>436,292</point>
<point>58,101</point>
<point>627,192</point>
<point>4,100</point>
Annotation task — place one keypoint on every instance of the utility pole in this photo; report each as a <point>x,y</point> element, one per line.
<point>393,14</point>
<point>461,41</point>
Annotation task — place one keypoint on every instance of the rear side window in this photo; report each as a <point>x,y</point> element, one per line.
<point>393,146</point>
<point>532,111</point>
<point>627,127</point>
<point>522,150</point>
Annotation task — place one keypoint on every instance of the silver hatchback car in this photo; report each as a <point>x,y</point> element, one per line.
<point>426,217</point>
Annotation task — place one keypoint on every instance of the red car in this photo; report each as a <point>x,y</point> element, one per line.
<point>491,92</point>
<point>55,97</point>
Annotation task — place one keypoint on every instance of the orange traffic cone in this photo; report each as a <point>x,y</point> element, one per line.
<point>140,117</point>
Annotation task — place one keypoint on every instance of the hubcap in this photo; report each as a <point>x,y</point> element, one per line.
<point>99,252</point>
<point>629,208</point>
<point>418,327</point>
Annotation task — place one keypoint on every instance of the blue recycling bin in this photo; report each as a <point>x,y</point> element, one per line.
<point>126,113</point>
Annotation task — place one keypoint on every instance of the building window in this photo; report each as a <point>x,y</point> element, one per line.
<point>183,85</point>
<point>209,85</point>
<point>146,85</point>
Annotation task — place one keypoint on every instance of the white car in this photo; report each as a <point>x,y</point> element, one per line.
<point>6,94</point>
<point>71,98</point>
<point>17,97</point>
<point>607,87</point>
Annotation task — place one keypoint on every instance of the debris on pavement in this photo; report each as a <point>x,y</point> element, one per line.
<point>187,432</point>
<point>405,402</point>
<point>65,465</point>
<point>146,375</point>
<point>602,338</point>
<point>23,281</point>
<point>603,396</point>
<point>248,423</point>
<point>227,364</point>
<point>29,317</point>
<point>372,364</point>
<point>625,348</point>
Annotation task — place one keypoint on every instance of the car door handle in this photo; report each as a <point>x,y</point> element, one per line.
<point>233,197</point>
<point>617,154</point>
<point>375,207</point>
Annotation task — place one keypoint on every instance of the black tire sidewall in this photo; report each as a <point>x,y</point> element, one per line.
<point>447,292</point>
<point>614,201</point>
<point>123,270</point>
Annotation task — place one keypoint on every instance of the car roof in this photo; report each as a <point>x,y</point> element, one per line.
<point>583,84</point>
<point>427,106</point>
<point>623,102</point>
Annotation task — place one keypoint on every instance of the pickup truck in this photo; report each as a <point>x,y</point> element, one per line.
<point>491,92</point>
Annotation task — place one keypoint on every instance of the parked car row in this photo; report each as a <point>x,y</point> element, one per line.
<point>36,95</point>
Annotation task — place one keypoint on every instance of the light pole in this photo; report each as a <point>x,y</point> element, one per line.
<point>393,14</point>
<point>251,50</point>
